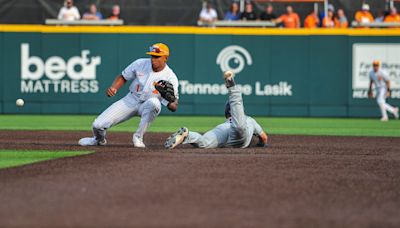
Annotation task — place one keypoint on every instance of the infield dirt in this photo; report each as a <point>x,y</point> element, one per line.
<point>300,181</point>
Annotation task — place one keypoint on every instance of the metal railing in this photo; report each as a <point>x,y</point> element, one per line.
<point>224,23</point>
<point>84,22</point>
<point>376,24</point>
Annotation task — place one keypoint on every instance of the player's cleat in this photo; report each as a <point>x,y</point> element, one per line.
<point>384,119</point>
<point>228,77</point>
<point>91,141</point>
<point>396,113</point>
<point>138,141</point>
<point>176,138</point>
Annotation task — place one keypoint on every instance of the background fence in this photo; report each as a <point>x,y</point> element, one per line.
<point>66,70</point>
<point>160,12</point>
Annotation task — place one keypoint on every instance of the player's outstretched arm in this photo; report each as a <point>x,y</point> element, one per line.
<point>260,133</point>
<point>116,85</point>
<point>262,139</point>
<point>166,90</point>
<point>173,106</point>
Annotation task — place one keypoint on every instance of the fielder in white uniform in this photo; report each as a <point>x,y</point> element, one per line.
<point>237,131</point>
<point>142,100</point>
<point>380,79</point>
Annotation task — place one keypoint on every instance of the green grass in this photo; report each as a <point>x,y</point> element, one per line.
<point>12,158</point>
<point>302,126</point>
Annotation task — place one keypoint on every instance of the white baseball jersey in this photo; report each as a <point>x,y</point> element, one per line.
<point>208,14</point>
<point>143,76</point>
<point>69,14</point>
<point>379,78</point>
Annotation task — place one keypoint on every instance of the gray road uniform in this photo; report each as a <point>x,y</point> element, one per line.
<point>237,131</point>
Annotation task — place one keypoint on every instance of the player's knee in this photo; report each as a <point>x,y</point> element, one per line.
<point>207,142</point>
<point>101,124</point>
<point>240,130</point>
<point>153,104</point>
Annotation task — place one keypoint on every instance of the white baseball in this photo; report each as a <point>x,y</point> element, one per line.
<point>228,73</point>
<point>19,102</point>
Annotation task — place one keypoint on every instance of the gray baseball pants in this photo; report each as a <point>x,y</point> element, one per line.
<point>232,133</point>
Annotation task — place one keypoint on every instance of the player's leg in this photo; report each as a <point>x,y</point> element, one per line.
<point>211,139</point>
<point>214,138</point>
<point>381,100</point>
<point>148,111</point>
<point>396,113</point>
<point>118,112</point>
<point>208,140</point>
<point>391,109</point>
<point>238,117</point>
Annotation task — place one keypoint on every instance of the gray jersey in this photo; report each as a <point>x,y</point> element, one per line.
<point>237,131</point>
<point>379,78</point>
<point>252,128</point>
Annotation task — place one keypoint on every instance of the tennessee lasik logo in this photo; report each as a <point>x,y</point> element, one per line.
<point>75,75</point>
<point>234,58</point>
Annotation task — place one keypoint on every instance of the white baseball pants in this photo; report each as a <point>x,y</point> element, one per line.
<point>383,106</point>
<point>124,109</point>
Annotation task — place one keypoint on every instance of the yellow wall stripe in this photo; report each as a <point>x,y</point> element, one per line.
<point>197,30</point>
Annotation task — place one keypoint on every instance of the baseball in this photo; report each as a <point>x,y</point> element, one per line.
<point>228,73</point>
<point>19,102</point>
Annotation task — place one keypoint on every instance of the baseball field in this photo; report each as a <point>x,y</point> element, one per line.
<point>317,172</point>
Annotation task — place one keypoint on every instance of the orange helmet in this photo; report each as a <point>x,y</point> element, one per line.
<point>376,63</point>
<point>158,49</point>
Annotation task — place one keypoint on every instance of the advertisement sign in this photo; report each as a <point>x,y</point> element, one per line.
<point>364,55</point>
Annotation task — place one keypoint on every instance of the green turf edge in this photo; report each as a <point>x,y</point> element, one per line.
<point>273,125</point>
<point>14,158</point>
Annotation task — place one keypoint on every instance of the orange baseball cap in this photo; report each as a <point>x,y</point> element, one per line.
<point>376,63</point>
<point>158,49</point>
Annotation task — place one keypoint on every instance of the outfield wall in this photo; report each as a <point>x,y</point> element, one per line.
<point>282,72</point>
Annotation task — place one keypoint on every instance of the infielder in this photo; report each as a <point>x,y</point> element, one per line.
<point>382,86</point>
<point>153,84</point>
<point>236,131</point>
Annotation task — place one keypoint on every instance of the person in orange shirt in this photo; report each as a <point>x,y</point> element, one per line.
<point>341,19</point>
<point>329,21</point>
<point>290,19</point>
<point>364,16</point>
<point>393,16</point>
<point>312,20</point>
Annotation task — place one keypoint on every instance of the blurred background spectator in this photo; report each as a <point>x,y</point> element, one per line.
<point>380,16</point>
<point>364,16</point>
<point>208,14</point>
<point>329,20</point>
<point>341,19</point>
<point>393,16</point>
<point>115,13</point>
<point>171,12</point>
<point>249,14</point>
<point>268,14</point>
<point>322,13</point>
<point>233,14</point>
<point>69,12</point>
<point>290,19</point>
<point>92,14</point>
<point>312,20</point>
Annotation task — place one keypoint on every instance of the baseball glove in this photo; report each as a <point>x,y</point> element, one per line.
<point>166,90</point>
